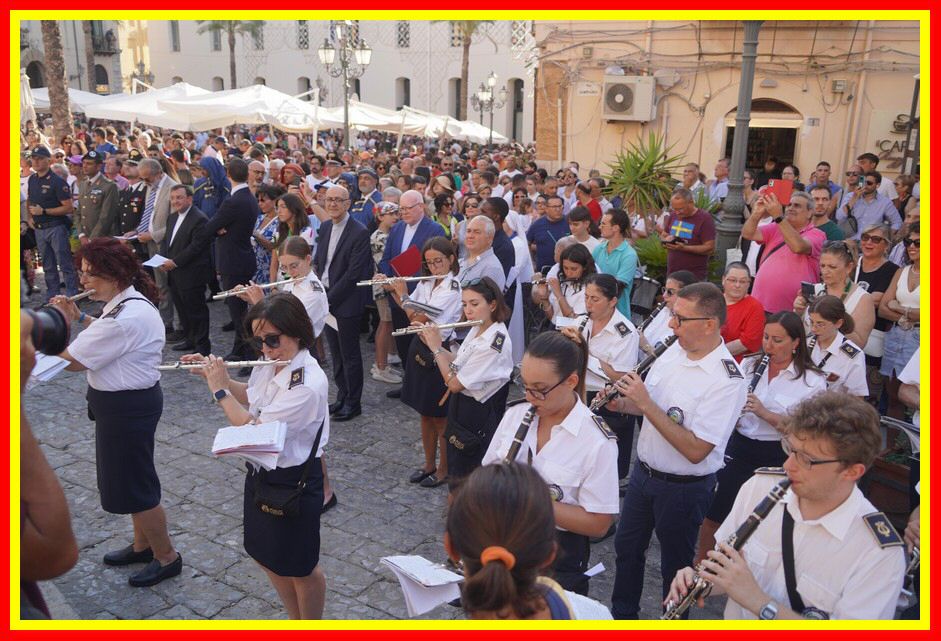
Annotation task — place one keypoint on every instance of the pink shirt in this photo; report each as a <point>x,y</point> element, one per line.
<point>780,273</point>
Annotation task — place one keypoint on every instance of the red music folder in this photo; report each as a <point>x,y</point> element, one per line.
<point>408,263</point>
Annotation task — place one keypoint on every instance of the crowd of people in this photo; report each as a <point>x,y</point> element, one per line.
<point>478,272</point>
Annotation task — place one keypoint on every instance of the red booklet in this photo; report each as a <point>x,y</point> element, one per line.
<point>408,263</point>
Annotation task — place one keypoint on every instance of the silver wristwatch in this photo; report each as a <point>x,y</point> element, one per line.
<point>769,611</point>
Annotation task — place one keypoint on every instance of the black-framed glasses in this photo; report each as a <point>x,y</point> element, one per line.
<point>271,340</point>
<point>869,238</point>
<point>539,395</point>
<point>336,201</point>
<point>908,242</point>
<point>682,319</point>
<point>803,459</point>
<point>871,183</point>
<point>668,291</point>
<point>434,262</point>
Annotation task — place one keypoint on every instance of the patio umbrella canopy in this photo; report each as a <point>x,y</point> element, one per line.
<point>145,108</point>
<point>78,99</point>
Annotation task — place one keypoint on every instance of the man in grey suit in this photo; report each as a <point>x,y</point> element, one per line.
<point>152,229</point>
<point>98,201</point>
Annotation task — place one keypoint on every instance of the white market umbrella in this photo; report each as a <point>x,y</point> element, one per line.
<point>78,99</point>
<point>27,109</point>
<point>145,108</point>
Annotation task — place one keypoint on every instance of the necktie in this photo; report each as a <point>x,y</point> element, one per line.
<point>148,211</point>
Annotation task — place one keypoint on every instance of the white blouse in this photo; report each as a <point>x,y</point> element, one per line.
<point>444,294</point>
<point>781,394</point>
<point>484,362</point>
<point>844,364</point>
<point>616,344</point>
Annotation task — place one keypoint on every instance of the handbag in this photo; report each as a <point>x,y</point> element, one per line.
<point>875,346</point>
<point>466,440</point>
<point>279,499</point>
<point>849,225</point>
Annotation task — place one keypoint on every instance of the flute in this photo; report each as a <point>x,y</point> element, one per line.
<point>415,329</point>
<point>702,587</point>
<point>603,398</point>
<point>78,297</point>
<point>392,279</point>
<point>236,292</point>
<point>180,365</point>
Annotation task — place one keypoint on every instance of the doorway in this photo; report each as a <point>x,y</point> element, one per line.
<point>772,131</point>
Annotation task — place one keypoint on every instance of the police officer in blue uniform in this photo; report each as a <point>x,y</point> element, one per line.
<point>49,203</point>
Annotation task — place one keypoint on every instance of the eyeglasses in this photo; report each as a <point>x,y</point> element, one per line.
<point>682,319</point>
<point>821,324</point>
<point>908,242</point>
<point>737,281</point>
<point>539,395</point>
<point>271,340</point>
<point>803,459</point>
<point>554,206</point>
<point>869,238</point>
<point>871,182</point>
<point>434,262</point>
<point>850,174</point>
<point>669,291</point>
<point>336,201</point>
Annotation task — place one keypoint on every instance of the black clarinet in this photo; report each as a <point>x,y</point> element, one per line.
<point>521,432</point>
<point>759,372</point>
<point>649,319</point>
<point>702,586</point>
<point>603,398</point>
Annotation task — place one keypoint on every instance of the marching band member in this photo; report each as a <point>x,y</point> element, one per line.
<point>567,296</point>
<point>612,352</point>
<point>846,559</point>
<point>690,401</point>
<point>540,292</point>
<point>788,378</point>
<point>502,527</point>
<point>841,360</point>
<point>478,376</point>
<point>423,388</point>
<point>286,547</point>
<point>571,448</point>
<point>120,352</point>
<point>659,328</point>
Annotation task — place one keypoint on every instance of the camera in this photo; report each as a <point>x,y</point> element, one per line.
<point>50,331</point>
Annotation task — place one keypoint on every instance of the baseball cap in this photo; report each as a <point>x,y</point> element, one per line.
<point>41,150</point>
<point>221,139</point>
<point>368,172</point>
<point>94,155</point>
<point>325,184</point>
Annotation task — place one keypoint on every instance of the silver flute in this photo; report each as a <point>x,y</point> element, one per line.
<point>415,329</point>
<point>180,365</point>
<point>78,297</point>
<point>238,290</point>
<point>392,279</point>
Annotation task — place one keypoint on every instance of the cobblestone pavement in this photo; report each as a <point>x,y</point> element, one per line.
<point>379,512</point>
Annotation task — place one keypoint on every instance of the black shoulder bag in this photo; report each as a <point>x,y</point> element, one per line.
<point>283,500</point>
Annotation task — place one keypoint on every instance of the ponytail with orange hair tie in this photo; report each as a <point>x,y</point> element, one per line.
<point>497,553</point>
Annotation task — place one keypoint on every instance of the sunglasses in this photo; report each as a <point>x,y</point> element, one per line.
<point>908,242</point>
<point>868,238</point>
<point>870,182</point>
<point>271,340</point>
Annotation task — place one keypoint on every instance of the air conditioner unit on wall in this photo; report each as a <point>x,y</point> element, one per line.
<point>629,98</point>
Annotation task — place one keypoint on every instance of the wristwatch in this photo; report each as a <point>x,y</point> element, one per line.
<point>438,351</point>
<point>217,396</point>
<point>779,219</point>
<point>769,611</point>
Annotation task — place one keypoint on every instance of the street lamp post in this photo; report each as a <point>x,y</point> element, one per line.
<point>476,103</point>
<point>488,102</point>
<point>347,60</point>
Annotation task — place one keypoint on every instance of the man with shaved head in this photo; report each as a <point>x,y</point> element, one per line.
<point>256,176</point>
<point>408,235</point>
<point>341,260</point>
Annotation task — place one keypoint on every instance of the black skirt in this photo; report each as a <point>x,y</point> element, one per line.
<point>743,456</point>
<point>288,546</point>
<point>471,425</point>
<point>422,386</point>
<point>125,423</point>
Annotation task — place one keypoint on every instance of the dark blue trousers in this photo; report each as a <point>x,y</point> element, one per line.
<point>347,360</point>
<point>675,511</point>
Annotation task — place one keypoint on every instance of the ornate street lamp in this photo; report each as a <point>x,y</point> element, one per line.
<point>484,100</point>
<point>348,59</point>
<point>142,76</point>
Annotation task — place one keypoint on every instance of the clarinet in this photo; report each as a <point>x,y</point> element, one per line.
<point>811,342</point>
<point>649,319</point>
<point>759,372</point>
<point>603,398</point>
<point>702,587</point>
<point>521,432</point>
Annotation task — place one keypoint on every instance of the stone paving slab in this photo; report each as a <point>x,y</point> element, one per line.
<point>379,513</point>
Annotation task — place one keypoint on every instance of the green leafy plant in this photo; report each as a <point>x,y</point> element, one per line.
<point>652,255</point>
<point>642,174</point>
<point>702,201</point>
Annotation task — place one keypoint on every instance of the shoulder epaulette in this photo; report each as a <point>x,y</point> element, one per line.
<point>297,378</point>
<point>114,312</point>
<point>886,535</point>
<point>731,368</point>
<point>498,340</point>
<point>316,286</point>
<point>516,402</point>
<point>849,349</point>
<point>607,431</point>
<point>777,471</point>
<point>622,329</point>
<point>455,286</point>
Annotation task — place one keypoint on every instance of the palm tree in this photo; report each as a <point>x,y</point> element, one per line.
<point>244,28</point>
<point>55,78</point>
<point>467,29</point>
<point>89,55</point>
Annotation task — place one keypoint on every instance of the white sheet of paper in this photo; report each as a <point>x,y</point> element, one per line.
<point>564,321</point>
<point>332,322</point>
<point>156,261</point>
<point>134,237</point>
<point>425,585</point>
<point>45,369</point>
<point>594,571</point>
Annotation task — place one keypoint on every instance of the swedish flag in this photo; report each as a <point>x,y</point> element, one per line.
<point>682,230</point>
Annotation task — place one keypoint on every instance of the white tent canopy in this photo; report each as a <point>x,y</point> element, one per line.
<point>145,108</point>
<point>78,99</point>
<point>27,109</point>
<point>254,105</point>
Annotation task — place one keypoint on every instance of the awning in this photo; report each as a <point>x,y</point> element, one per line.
<point>145,108</point>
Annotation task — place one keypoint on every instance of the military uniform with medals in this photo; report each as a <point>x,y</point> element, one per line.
<point>99,202</point>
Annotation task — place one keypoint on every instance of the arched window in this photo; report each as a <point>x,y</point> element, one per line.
<point>357,89</point>
<point>101,80</point>
<point>514,108</point>
<point>218,84</point>
<point>403,93</point>
<point>37,74</point>
<point>303,85</point>
<point>454,97</point>
<point>259,80</point>
<point>175,80</point>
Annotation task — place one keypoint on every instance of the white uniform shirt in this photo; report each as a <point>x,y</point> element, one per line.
<point>616,344</point>
<point>312,294</point>
<point>484,361</point>
<point>578,458</point>
<point>297,396</point>
<point>123,348</point>
<point>445,296</point>
<point>707,396</point>
<point>844,364</point>
<point>838,563</point>
<point>786,390</point>
<point>574,294</point>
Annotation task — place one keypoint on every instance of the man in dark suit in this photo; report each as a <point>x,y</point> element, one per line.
<point>188,269</point>
<point>343,258</point>
<point>232,227</point>
<point>415,229</point>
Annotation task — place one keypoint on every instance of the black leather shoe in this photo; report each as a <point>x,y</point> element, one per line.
<point>154,573</point>
<point>347,413</point>
<point>335,407</point>
<point>127,556</point>
<point>183,347</point>
<point>329,505</point>
<point>420,475</point>
<point>175,335</point>
<point>394,393</point>
<point>228,327</point>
